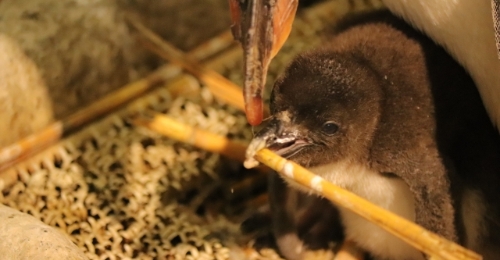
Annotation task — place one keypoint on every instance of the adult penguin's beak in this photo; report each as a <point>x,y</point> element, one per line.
<point>262,27</point>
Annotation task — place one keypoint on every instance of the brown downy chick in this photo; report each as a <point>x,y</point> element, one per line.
<point>385,113</point>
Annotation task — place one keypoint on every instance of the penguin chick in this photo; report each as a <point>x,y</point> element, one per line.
<point>385,113</point>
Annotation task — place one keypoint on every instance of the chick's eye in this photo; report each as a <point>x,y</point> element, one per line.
<point>330,128</point>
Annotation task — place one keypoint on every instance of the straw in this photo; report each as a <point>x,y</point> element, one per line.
<point>222,88</point>
<point>199,138</point>
<point>36,142</point>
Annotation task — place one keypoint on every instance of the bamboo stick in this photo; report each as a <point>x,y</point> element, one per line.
<point>221,87</point>
<point>199,138</point>
<point>212,46</point>
<point>426,241</point>
<point>418,237</point>
<point>28,146</point>
<point>118,98</point>
<point>20,150</point>
<point>218,144</point>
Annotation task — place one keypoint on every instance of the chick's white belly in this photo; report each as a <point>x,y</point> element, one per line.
<point>389,193</point>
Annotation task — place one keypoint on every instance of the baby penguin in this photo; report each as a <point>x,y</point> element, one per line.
<point>387,114</point>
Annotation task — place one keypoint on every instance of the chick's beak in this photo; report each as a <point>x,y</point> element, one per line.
<point>262,27</point>
<point>283,138</point>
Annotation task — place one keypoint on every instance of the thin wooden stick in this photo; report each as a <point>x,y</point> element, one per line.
<point>218,144</point>
<point>118,98</point>
<point>423,240</point>
<point>199,138</point>
<point>221,87</point>
<point>26,147</point>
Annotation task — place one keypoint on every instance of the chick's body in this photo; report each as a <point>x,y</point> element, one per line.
<point>384,112</point>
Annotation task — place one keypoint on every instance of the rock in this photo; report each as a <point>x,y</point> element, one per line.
<point>83,48</point>
<point>25,105</point>
<point>23,237</point>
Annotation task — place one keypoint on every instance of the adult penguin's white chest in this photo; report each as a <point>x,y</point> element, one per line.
<point>465,29</point>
